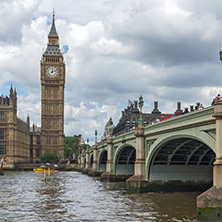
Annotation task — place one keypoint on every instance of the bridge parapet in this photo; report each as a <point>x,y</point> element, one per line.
<point>188,120</point>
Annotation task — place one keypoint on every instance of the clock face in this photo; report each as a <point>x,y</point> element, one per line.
<point>52,71</point>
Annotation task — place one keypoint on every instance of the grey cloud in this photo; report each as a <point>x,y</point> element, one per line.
<point>117,50</point>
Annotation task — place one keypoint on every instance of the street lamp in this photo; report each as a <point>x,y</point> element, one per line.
<point>111,127</point>
<point>140,121</point>
<point>95,137</point>
<point>220,55</point>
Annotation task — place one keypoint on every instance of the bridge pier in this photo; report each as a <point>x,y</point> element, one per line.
<point>81,162</point>
<point>86,169</point>
<point>108,175</point>
<point>209,203</point>
<point>138,183</point>
<point>94,172</point>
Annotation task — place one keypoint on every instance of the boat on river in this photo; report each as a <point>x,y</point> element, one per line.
<point>42,168</point>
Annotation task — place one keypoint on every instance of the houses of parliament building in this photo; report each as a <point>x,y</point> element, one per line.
<point>22,143</point>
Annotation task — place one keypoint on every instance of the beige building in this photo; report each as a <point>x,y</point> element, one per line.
<point>17,142</point>
<point>22,143</point>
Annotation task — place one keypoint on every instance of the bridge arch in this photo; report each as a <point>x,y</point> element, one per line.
<point>90,161</point>
<point>124,160</point>
<point>84,162</point>
<point>181,157</point>
<point>102,159</point>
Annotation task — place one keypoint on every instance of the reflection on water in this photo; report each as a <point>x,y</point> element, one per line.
<point>72,196</point>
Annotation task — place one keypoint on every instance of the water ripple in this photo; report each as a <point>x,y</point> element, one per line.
<point>72,196</point>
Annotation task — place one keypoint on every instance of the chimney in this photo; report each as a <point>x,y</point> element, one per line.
<point>178,106</point>
<point>156,110</point>
<point>135,104</point>
<point>155,104</point>
<point>179,110</point>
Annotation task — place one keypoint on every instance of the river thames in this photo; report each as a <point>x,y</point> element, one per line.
<point>72,196</point>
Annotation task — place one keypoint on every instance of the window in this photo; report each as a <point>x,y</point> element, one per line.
<point>38,140</point>
<point>48,140</point>
<point>2,116</point>
<point>54,124</point>
<point>55,93</point>
<point>55,107</point>
<point>37,153</point>
<point>2,134</point>
<point>49,93</point>
<point>54,140</point>
<point>2,149</point>
<point>31,152</point>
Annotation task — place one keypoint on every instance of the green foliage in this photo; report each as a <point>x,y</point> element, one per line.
<point>50,158</point>
<point>84,147</point>
<point>71,147</point>
<point>67,151</point>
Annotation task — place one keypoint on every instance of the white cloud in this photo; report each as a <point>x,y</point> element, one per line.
<point>116,51</point>
<point>108,46</point>
<point>14,14</point>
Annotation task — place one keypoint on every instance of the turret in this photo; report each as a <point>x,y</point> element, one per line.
<point>11,95</point>
<point>15,99</point>
<point>2,100</point>
<point>28,121</point>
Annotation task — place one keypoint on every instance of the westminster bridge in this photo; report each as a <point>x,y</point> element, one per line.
<point>174,154</point>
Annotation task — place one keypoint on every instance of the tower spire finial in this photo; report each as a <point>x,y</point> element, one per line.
<point>53,32</point>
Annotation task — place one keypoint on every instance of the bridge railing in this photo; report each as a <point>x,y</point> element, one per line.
<point>192,119</point>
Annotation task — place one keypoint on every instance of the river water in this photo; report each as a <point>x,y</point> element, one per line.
<point>72,196</point>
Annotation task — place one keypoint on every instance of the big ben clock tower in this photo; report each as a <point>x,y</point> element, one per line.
<point>52,96</point>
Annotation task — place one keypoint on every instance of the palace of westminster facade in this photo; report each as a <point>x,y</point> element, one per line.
<point>19,142</point>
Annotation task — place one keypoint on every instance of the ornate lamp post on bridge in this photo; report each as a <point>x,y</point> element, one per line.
<point>111,127</point>
<point>95,137</point>
<point>94,171</point>
<point>95,153</point>
<point>220,55</point>
<point>140,121</point>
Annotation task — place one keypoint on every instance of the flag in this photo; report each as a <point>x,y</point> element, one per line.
<point>130,102</point>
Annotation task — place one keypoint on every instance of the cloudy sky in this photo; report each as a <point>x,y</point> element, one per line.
<point>114,50</point>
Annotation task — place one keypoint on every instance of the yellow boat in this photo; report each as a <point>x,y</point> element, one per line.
<point>41,170</point>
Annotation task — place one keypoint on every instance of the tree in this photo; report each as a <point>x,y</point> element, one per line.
<point>84,147</point>
<point>67,151</point>
<point>50,158</point>
<point>71,149</point>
